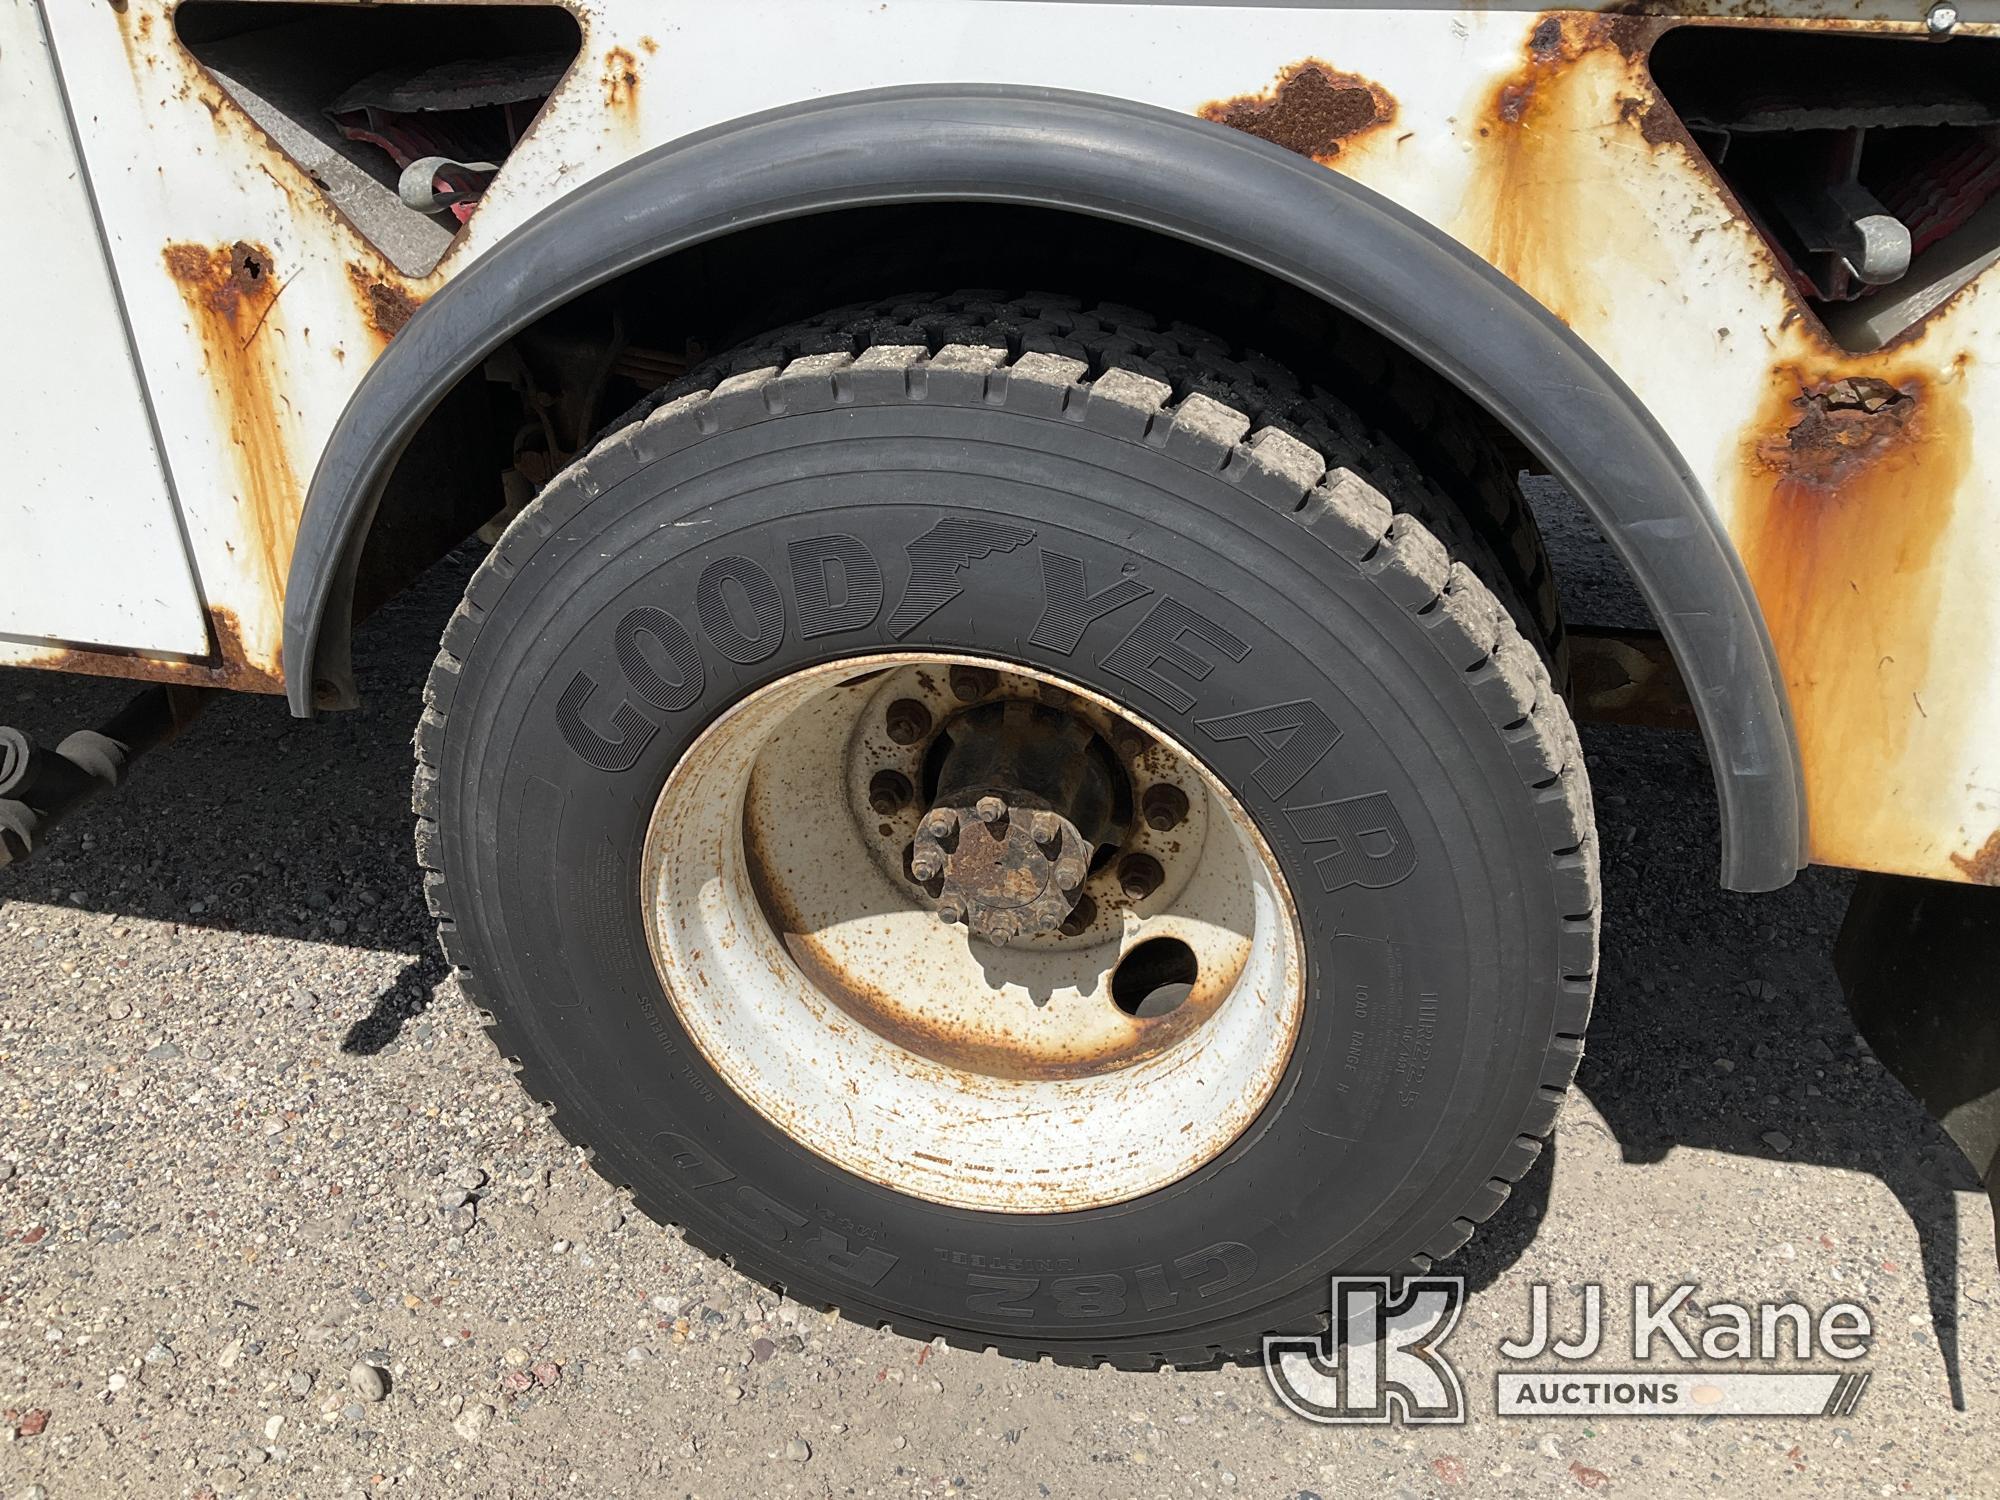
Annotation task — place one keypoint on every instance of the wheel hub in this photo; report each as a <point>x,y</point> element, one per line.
<point>1024,795</point>
<point>977,1062</point>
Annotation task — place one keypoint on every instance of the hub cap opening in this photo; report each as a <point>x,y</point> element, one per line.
<point>1155,977</point>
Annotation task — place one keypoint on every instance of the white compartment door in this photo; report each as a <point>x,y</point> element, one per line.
<point>91,551</point>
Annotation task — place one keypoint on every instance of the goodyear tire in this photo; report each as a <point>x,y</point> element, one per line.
<point>1077,508</point>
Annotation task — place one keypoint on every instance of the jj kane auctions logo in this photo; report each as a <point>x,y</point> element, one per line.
<point>1382,1358</point>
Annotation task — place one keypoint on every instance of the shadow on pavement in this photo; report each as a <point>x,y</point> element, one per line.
<point>1719,1024</point>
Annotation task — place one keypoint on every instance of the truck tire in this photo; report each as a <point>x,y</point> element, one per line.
<point>1261,843</point>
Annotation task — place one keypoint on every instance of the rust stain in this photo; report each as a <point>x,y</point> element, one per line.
<point>1312,108</point>
<point>237,132</point>
<point>1561,139</point>
<point>231,293</point>
<point>950,1046</point>
<point>231,667</point>
<point>1982,868</point>
<point>1838,429</point>
<point>621,81</point>
<point>1557,42</point>
<point>1543,187</point>
<point>135,34</point>
<point>222,279</point>
<point>1848,481</point>
<point>1820,15</point>
<point>234,668</point>
<point>1000,1053</point>
<point>386,304</point>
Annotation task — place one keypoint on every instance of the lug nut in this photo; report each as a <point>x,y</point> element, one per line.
<point>1139,875</point>
<point>1165,806</point>
<point>950,910</point>
<point>941,822</point>
<point>970,684</point>
<point>926,864</point>
<point>1132,744</point>
<point>990,809</point>
<point>1046,828</point>
<point>1070,873</point>
<point>908,721</point>
<point>1081,917</point>
<point>889,792</point>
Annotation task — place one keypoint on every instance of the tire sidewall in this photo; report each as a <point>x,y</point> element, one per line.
<point>1428,933</point>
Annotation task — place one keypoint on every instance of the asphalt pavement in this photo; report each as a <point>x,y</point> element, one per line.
<point>275,1220</point>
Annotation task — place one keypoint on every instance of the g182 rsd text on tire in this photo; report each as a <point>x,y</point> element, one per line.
<point>1016,484</point>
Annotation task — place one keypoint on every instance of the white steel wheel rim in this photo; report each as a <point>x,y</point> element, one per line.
<point>816,979</point>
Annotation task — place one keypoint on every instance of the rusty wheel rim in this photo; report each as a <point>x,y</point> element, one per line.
<point>983,1059</point>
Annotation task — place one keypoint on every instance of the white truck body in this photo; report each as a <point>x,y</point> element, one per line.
<point>177,365</point>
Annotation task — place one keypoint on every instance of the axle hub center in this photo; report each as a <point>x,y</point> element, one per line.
<point>1024,795</point>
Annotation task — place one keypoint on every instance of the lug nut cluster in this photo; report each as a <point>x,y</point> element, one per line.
<point>1003,876</point>
<point>1020,802</point>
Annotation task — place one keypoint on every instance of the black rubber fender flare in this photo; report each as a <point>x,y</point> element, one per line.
<point>1176,175</point>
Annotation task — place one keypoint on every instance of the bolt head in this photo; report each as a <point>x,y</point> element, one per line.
<point>1942,18</point>
<point>1165,806</point>
<point>941,822</point>
<point>889,792</point>
<point>1046,828</point>
<point>927,864</point>
<point>907,721</point>
<point>1081,917</point>
<point>970,684</point>
<point>1139,875</point>
<point>1070,873</point>
<point>990,809</point>
<point>951,910</point>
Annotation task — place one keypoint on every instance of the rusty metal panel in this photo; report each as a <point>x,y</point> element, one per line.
<point>1869,526</point>
<point>82,465</point>
<point>1858,488</point>
<point>255,306</point>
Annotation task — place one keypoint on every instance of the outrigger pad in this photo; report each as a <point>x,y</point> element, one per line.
<point>1920,963</point>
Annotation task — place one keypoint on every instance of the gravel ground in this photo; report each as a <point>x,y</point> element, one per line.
<point>276,1221</point>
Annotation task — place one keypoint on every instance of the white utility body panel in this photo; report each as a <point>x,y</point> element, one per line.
<point>91,551</point>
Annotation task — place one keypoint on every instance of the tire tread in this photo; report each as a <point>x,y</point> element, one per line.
<point>1221,411</point>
